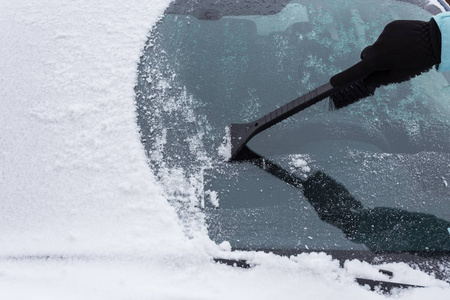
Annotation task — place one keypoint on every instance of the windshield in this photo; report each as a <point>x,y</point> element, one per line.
<point>373,176</point>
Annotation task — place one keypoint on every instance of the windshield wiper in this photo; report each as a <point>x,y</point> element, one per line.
<point>374,285</point>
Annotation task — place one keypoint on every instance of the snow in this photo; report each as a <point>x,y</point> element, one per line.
<point>299,165</point>
<point>225,148</point>
<point>82,216</point>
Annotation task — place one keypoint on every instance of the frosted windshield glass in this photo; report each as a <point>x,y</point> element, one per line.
<point>374,175</point>
<point>265,24</point>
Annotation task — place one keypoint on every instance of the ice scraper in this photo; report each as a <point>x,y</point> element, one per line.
<point>405,49</point>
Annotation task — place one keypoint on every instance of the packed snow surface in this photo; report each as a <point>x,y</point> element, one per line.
<point>82,216</point>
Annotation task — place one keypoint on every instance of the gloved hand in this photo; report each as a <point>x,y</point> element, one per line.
<point>403,50</point>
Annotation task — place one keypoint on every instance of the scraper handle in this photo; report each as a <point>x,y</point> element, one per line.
<point>240,134</point>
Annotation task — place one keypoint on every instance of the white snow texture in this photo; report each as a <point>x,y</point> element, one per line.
<point>82,216</point>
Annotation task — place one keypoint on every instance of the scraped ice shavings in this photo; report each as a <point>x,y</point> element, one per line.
<point>213,198</point>
<point>299,165</point>
<point>225,246</point>
<point>225,148</point>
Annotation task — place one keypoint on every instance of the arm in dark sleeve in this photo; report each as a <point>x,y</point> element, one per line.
<point>443,22</point>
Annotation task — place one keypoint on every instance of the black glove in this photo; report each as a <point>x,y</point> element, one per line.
<point>403,50</point>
